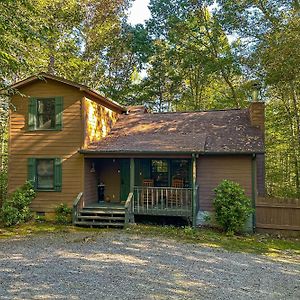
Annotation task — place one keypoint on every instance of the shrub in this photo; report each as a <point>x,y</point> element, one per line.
<point>63,214</point>
<point>232,206</point>
<point>15,209</point>
<point>3,185</point>
<point>40,219</point>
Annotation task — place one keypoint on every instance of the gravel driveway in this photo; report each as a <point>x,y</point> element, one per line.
<point>116,265</point>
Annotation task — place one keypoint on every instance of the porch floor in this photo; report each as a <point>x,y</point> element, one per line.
<point>141,210</point>
<point>113,205</point>
<point>172,212</point>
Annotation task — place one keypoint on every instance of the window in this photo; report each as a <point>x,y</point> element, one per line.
<point>180,169</point>
<point>45,173</point>
<point>45,113</point>
<point>160,172</point>
<point>165,171</point>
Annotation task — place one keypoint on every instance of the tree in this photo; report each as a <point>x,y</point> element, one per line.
<point>197,63</point>
<point>268,33</point>
<point>15,31</point>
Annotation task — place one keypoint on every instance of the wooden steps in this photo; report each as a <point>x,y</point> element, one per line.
<point>101,217</point>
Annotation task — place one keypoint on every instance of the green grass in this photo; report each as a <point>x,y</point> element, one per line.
<point>254,243</point>
<point>40,228</point>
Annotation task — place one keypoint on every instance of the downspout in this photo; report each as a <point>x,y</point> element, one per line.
<point>194,192</point>
<point>253,179</point>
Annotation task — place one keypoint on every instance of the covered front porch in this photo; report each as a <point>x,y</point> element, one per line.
<point>142,186</point>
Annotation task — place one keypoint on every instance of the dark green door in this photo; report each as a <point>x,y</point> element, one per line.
<point>125,178</point>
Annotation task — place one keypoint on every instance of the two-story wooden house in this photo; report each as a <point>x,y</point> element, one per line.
<point>81,148</point>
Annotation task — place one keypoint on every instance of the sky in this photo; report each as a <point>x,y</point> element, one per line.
<point>139,12</point>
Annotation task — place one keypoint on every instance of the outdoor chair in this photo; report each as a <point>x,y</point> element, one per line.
<point>175,197</point>
<point>147,194</point>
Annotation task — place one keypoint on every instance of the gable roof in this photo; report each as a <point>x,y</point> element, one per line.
<point>217,131</point>
<point>81,87</point>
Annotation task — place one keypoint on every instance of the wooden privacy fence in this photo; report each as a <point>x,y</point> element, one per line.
<point>278,214</point>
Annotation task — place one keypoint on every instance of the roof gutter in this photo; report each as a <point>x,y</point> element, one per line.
<point>83,151</point>
<point>86,151</point>
<point>232,153</point>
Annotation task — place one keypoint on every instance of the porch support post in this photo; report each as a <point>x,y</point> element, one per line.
<point>194,192</point>
<point>131,175</point>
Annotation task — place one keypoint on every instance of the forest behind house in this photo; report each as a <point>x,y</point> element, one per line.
<point>190,55</point>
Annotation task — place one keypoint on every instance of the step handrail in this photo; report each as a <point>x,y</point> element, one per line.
<point>129,208</point>
<point>76,204</point>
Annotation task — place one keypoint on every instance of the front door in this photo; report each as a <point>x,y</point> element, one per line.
<point>125,178</point>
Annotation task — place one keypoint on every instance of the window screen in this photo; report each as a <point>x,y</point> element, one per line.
<point>45,173</point>
<point>46,113</point>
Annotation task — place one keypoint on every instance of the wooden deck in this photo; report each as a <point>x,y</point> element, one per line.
<point>153,201</point>
<point>163,201</point>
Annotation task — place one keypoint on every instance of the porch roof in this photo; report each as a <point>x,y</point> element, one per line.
<point>217,131</point>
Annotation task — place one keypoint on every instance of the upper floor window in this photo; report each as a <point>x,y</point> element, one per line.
<point>45,113</point>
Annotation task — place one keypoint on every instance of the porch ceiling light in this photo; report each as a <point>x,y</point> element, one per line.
<point>92,170</point>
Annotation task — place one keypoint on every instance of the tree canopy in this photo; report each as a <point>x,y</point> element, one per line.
<point>190,55</point>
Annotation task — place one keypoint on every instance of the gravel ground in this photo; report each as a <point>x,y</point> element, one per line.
<point>114,265</point>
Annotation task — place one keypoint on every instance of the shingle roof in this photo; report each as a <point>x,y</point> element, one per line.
<point>45,76</point>
<point>207,131</point>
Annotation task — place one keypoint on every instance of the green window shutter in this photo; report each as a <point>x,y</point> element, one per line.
<point>32,112</point>
<point>57,174</point>
<point>59,107</point>
<point>31,176</point>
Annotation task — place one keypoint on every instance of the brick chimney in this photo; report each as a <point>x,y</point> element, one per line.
<point>257,108</point>
<point>137,109</point>
<point>257,114</point>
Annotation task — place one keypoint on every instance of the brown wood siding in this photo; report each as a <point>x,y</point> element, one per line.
<point>109,174</point>
<point>98,121</point>
<point>90,183</point>
<point>64,144</point>
<point>211,170</point>
<point>260,171</point>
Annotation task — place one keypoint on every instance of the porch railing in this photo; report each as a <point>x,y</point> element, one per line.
<point>129,217</point>
<point>163,201</point>
<point>77,205</point>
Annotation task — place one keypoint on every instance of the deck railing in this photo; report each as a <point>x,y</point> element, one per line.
<point>77,205</point>
<point>163,201</point>
<point>129,217</point>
